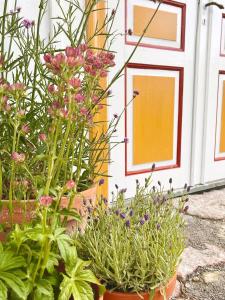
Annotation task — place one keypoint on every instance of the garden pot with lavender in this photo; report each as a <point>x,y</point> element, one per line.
<point>135,249</point>
<point>157,295</point>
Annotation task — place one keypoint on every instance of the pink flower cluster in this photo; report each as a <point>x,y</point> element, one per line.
<point>46,200</point>
<point>15,91</point>
<point>94,63</point>
<point>18,157</point>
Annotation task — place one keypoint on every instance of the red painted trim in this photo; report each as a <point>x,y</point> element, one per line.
<point>217,105</point>
<point>180,113</point>
<point>223,17</point>
<point>183,28</point>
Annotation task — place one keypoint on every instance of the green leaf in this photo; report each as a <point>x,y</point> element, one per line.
<point>15,283</point>
<point>3,291</point>
<point>44,290</point>
<point>70,213</point>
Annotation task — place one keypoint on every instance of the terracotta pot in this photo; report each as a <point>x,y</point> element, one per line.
<point>23,211</point>
<point>82,202</point>
<point>126,296</point>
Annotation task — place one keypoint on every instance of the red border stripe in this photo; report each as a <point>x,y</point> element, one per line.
<point>180,113</point>
<point>183,28</point>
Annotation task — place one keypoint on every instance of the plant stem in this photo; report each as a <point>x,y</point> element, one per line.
<point>41,7</point>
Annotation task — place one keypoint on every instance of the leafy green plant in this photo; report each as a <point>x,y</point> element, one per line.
<point>11,274</point>
<point>40,261</point>
<point>136,247</point>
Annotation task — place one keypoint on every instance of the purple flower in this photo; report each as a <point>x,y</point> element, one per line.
<point>131,213</point>
<point>186,209</point>
<point>142,221</point>
<point>158,226</point>
<point>146,217</point>
<point>101,182</point>
<point>122,216</point>
<point>27,23</point>
<point>117,212</point>
<point>123,191</point>
<point>127,223</point>
<point>105,201</point>
<point>115,116</point>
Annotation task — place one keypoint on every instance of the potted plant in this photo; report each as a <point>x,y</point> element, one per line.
<point>47,112</point>
<point>135,248</point>
<point>40,261</point>
<point>49,100</point>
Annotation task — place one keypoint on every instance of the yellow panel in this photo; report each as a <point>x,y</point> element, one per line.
<point>153,119</point>
<point>97,18</point>
<point>222,133</point>
<point>163,26</point>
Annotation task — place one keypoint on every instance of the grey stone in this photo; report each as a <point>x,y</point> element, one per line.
<point>194,258</point>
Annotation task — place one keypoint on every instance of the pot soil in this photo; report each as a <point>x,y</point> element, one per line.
<point>144,296</point>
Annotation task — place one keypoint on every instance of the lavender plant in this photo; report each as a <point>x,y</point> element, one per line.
<point>136,247</point>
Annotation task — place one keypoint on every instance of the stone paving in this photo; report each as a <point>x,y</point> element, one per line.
<point>201,273</point>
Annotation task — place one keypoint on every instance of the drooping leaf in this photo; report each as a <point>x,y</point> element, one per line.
<point>3,291</point>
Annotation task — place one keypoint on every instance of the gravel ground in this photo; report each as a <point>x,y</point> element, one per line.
<point>202,270</point>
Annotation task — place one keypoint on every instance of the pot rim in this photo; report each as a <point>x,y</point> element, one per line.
<point>143,293</point>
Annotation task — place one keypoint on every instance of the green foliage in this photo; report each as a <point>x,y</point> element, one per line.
<point>39,261</point>
<point>11,275</point>
<point>135,248</point>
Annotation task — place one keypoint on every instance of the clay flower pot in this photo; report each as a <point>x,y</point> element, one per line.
<point>82,202</point>
<point>144,296</point>
<point>23,212</point>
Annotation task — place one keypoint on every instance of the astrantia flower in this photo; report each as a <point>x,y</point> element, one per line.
<point>51,88</point>
<point>25,128</point>
<point>84,111</point>
<point>46,200</point>
<point>70,51</point>
<point>70,184</point>
<point>18,157</point>
<point>48,58</point>
<point>18,86</point>
<point>79,98</point>
<point>75,82</point>
<point>42,137</point>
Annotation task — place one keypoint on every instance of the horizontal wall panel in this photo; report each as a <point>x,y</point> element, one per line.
<point>164,25</point>
<point>167,29</point>
<point>153,113</point>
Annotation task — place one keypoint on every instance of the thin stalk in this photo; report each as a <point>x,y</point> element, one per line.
<point>132,53</point>
<point>41,7</point>
<point>1,180</point>
<point>3,26</point>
